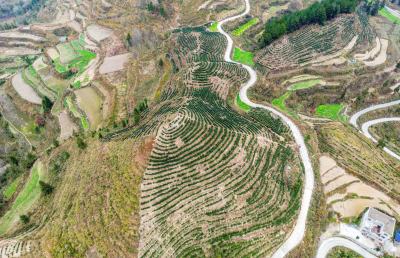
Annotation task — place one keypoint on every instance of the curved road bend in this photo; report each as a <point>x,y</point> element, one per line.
<point>328,244</point>
<point>365,130</point>
<point>298,232</point>
<point>354,118</point>
<point>366,125</point>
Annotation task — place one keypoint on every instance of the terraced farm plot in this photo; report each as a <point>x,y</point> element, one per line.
<point>71,55</point>
<point>67,53</point>
<point>67,126</point>
<point>114,63</point>
<point>242,28</point>
<point>71,106</point>
<point>24,90</point>
<point>308,44</point>
<point>360,157</point>
<point>331,111</point>
<point>304,84</point>
<point>348,196</point>
<point>243,56</point>
<point>25,199</point>
<point>91,103</point>
<point>98,33</point>
<point>216,181</point>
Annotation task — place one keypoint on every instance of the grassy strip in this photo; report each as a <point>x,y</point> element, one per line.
<point>12,188</point>
<point>331,111</point>
<point>242,56</point>
<point>213,27</point>
<point>304,84</point>
<point>74,110</point>
<point>243,106</point>
<point>24,201</point>
<point>242,28</point>
<point>393,18</point>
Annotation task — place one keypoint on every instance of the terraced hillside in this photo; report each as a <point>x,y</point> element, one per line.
<point>217,182</point>
<point>304,46</point>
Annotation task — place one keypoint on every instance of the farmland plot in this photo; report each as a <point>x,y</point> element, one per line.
<point>216,181</point>
<point>25,90</point>
<point>91,103</point>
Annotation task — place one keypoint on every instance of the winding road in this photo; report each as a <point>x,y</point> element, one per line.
<point>299,230</point>
<point>365,127</point>
<point>333,242</point>
<point>365,130</point>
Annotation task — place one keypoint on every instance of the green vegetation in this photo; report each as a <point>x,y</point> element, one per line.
<point>385,13</point>
<point>280,102</point>
<point>242,56</point>
<point>316,13</point>
<point>341,252</point>
<point>243,106</point>
<point>45,188</point>
<point>304,84</point>
<point>69,103</point>
<point>331,111</point>
<point>76,56</point>
<point>12,188</point>
<point>25,199</point>
<point>213,27</point>
<point>242,28</point>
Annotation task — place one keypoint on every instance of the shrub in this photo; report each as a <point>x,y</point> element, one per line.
<point>24,219</point>
<point>46,188</point>
<point>46,104</point>
<point>81,143</point>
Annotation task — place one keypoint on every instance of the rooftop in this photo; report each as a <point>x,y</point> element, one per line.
<point>388,222</point>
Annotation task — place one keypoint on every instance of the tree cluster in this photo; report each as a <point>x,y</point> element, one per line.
<point>317,13</point>
<point>372,7</point>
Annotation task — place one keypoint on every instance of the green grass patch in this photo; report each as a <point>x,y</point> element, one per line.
<point>385,13</point>
<point>242,28</point>
<point>304,84</point>
<point>11,189</point>
<point>242,56</point>
<point>280,102</point>
<point>331,111</point>
<point>85,123</point>
<point>243,106</point>
<point>25,199</point>
<point>80,62</point>
<point>213,27</point>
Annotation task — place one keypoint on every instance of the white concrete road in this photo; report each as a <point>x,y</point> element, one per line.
<point>328,244</point>
<point>365,130</point>
<point>356,116</point>
<point>298,232</point>
<point>366,125</point>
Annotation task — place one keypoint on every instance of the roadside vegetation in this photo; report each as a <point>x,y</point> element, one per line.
<point>393,18</point>
<point>242,28</point>
<point>243,56</point>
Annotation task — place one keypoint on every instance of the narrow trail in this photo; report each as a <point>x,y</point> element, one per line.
<point>364,127</point>
<point>298,232</point>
